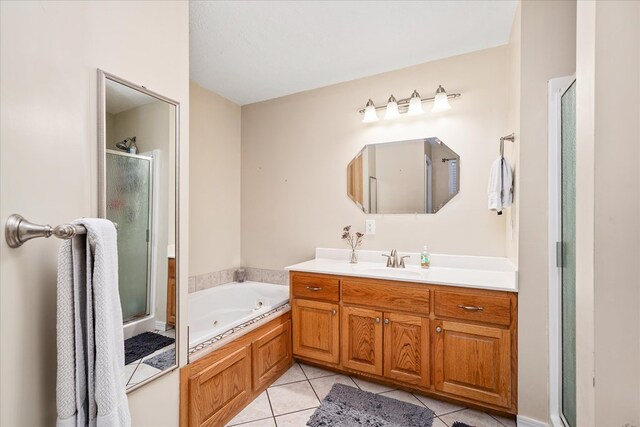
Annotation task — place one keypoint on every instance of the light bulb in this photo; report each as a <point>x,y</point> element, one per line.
<point>441,101</point>
<point>370,114</point>
<point>415,104</point>
<point>392,109</point>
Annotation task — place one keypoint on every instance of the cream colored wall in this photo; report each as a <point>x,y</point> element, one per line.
<point>547,50</point>
<point>295,151</point>
<point>215,180</point>
<point>48,170</point>
<point>608,231</point>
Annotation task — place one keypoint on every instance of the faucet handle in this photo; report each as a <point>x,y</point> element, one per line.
<point>402,260</point>
<point>389,263</point>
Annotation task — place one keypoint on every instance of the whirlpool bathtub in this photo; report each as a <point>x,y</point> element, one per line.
<point>218,312</point>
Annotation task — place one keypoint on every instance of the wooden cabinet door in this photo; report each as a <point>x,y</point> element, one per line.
<point>171,293</point>
<point>362,339</point>
<point>406,348</point>
<point>271,355</point>
<point>220,389</point>
<point>473,362</point>
<point>316,330</point>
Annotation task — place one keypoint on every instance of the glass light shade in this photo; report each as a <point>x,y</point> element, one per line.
<point>370,114</point>
<point>440,102</point>
<point>415,104</point>
<point>392,109</point>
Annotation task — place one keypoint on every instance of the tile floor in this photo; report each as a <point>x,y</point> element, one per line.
<point>137,371</point>
<point>294,397</point>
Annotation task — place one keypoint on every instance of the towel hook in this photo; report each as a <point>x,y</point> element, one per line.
<point>511,137</point>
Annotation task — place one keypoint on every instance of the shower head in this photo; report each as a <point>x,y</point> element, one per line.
<point>128,145</point>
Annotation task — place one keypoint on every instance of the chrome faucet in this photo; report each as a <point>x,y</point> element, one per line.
<point>393,261</point>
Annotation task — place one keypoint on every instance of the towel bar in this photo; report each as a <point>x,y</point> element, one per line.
<point>510,137</point>
<point>18,230</point>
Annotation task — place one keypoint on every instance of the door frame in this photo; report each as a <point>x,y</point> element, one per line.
<point>556,88</point>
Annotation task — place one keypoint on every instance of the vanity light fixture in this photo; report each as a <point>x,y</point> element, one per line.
<point>415,104</point>
<point>441,100</point>
<point>370,114</point>
<point>410,106</point>
<point>392,109</point>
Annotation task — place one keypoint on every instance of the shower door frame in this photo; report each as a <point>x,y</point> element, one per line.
<point>151,262</point>
<point>556,88</point>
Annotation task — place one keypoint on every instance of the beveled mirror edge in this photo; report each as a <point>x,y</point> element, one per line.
<point>103,76</point>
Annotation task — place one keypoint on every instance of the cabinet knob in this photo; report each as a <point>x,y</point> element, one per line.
<point>334,311</point>
<point>438,329</point>
<point>386,321</point>
<point>377,320</point>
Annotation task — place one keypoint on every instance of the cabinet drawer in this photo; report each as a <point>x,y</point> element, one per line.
<point>387,295</point>
<point>316,287</point>
<point>483,308</point>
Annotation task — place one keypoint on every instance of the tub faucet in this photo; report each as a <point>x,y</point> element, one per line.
<point>393,261</point>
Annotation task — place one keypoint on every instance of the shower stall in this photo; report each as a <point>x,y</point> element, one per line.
<point>129,203</point>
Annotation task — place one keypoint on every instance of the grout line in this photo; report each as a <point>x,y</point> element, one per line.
<point>293,412</point>
<point>292,382</point>
<point>270,405</point>
<point>134,371</point>
<point>354,381</point>
<point>499,422</point>
<point>442,421</point>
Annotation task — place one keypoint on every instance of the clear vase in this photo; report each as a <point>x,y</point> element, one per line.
<point>354,257</point>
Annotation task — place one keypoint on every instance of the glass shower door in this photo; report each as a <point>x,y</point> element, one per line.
<point>128,205</point>
<point>568,265</point>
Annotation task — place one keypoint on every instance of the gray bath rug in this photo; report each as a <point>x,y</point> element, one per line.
<point>143,345</point>
<point>346,406</point>
<point>163,360</point>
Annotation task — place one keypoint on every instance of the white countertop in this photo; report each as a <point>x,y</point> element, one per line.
<point>493,273</point>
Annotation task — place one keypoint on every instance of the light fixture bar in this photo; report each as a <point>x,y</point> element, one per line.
<point>405,101</point>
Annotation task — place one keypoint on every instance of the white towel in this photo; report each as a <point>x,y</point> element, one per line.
<point>500,187</point>
<point>90,377</point>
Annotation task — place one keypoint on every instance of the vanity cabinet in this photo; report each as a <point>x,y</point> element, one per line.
<point>453,342</point>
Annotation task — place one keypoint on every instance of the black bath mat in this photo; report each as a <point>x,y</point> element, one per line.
<point>346,406</point>
<point>460,424</point>
<point>163,360</point>
<point>143,345</point>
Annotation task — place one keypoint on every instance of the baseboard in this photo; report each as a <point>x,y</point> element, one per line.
<point>530,422</point>
<point>161,326</point>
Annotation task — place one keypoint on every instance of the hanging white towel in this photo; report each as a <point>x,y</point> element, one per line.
<point>500,187</point>
<point>90,376</point>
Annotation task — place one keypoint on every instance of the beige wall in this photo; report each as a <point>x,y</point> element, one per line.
<point>49,170</point>
<point>215,179</point>
<point>547,50</point>
<point>608,233</point>
<point>295,151</point>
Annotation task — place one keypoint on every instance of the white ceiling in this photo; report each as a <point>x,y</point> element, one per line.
<point>250,51</point>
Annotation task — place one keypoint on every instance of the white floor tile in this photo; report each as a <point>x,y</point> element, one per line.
<point>440,407</point>
<point>403,396</point>
<point>296,419</point>
<point>437,422</point>
<point>507,422</point>
<point>293,374</point>
<point>292,397</point>
<point>257,410</point>
<point>142,373</point>
<point>471,417</point>
<point>130,369</point>
<point>323,385</point>
<point>268,422</point>
<point>372,387</point>
<point>313,372</point>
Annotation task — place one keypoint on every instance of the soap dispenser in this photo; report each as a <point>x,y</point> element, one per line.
<point>425,258</point>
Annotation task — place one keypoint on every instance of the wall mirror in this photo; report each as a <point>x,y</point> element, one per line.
<point>415,176</point>
<point>138,189</point>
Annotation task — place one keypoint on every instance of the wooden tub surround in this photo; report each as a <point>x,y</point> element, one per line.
<point>454,343</point>
<point>215,388</point>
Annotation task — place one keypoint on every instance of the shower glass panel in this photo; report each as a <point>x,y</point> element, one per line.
<point>568,270</point>
<point>128,204</point>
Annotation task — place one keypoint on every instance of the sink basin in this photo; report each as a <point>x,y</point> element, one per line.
<point>390,272</point>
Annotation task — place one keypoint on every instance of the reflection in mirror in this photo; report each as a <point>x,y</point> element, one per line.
<point>138,145</point>
<point>416,176</point>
